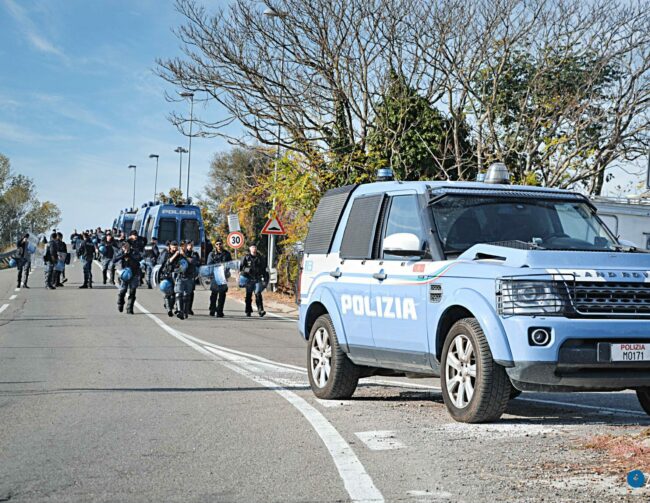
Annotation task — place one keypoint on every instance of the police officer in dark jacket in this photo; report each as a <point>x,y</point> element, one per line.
<point>128,257</point>
<point>22,255</point>
<point>167,273</point>
<point>196,264</point>
<point>218,256</point>
<point>253,267</point>
<point>50,258</point>
<point>108,248</point>
<point>62,255</point>
<point>137,243</point>
<point>184,269</point>
<point>86,252</point>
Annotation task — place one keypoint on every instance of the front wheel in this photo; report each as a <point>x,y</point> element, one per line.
<point>475,388</point>
<point>643,395</point>
<point>332,375</point>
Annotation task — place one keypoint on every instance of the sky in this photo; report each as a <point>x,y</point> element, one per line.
<point>79,103</point>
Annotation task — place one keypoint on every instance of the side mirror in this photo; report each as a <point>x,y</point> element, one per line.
<point>403,244</point>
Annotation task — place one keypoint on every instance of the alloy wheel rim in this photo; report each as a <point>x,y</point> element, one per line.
<point>321,357</point>
<point>460,371</point>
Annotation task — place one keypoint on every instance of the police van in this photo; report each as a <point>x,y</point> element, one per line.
<point>494,288</point>
<point>173,222</point>
<point>124,222</point>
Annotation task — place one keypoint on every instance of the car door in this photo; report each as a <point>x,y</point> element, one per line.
<point>353,276</point>
<point>400,291</point>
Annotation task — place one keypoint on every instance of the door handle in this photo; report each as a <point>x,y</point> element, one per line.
<point>336,274</point>
<point>381,276</point>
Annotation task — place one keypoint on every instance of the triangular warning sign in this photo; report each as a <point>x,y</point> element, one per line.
<point>274,226</point>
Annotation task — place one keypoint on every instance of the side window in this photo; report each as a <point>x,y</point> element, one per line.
<point>360,230</point>
<point>167,230</point>
<point>149,229</point>
<point>404,218</point>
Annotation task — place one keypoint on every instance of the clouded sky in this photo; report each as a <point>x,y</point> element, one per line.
<point>79,102</point>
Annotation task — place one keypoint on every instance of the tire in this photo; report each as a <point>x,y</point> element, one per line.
<point>323,352</point>
<point>477,398</point>
<point>643,395</point>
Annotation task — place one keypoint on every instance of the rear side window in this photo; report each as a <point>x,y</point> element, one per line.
<point>359,235</point>
<point>190,230</point>
<point>167,230</point>
<point>128,225</point>
<point>326,219</point>
<point>149,229</point>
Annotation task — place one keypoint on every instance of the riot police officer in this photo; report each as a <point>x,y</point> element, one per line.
<point>62,257</point>
<point>218,256</point>
<point>50,258</point>
<point>23,260</point>
<point>129,259</point>
<point>253,268</point>
<point>184,272</point>
<point>196,263</point>
<point>86,252</point>
<point>108,248</point>
<point>167,273</point>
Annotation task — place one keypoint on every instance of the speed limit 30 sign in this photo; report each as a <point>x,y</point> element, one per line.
<point>235,240</point>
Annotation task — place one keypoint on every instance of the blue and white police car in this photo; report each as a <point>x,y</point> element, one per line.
<point>494,288</point>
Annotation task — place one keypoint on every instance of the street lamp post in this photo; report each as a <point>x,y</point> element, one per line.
<point>180,151</point>
<point>134,168</point>
<point>155,181</point>
<point>272,13</point>
<point>189,95</point>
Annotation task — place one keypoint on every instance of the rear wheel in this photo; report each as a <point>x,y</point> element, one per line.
<point>475,388</point>
<point>643,394</point>
<point>331,373</point>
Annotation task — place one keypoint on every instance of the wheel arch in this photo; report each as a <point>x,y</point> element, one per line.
<point>325,303</point>
<point>469,303</point>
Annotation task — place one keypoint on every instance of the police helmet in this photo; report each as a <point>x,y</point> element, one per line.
<point>102,249</point>
<point>183,264</point>
<point>12,262</point>
<point>166,287</point>
<point>126,274</point>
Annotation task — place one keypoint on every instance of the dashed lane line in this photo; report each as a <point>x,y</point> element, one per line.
<point>17,290</point>
<point>356,480</point>
<point>3,307</point>
<point>13,297</point>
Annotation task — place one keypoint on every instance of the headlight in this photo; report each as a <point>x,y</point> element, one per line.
<point>529,298</point>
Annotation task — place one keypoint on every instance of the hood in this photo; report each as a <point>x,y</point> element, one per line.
<point>585,265</point>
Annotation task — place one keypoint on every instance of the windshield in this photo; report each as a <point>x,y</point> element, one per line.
<point>464,221</point>
<point>190,231</point>
<point>128,224</point>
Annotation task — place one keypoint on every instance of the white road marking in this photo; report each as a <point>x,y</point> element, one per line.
<point>13,297</point>
<point>3,307</point>
<point>17,290</point>
<point>380,440</point>
<point>430,495</point>
<point>356,480</point>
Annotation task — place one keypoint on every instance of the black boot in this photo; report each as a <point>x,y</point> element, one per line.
<point>190,303</point>
<point>131,301</point>
<point>120,300</point>
<point>104,275</point>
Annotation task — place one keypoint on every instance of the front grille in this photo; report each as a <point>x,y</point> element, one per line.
<point>610,297</point>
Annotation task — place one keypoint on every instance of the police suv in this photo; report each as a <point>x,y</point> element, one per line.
<point>494,288</point>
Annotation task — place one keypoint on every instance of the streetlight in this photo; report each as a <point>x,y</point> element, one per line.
<point>190,95</point>
<point>134,168</point>
<point>272,13</point>
<point>155,182</point>
<point>181,151</point>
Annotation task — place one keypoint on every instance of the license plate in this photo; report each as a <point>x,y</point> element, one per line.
<point>630,352</point>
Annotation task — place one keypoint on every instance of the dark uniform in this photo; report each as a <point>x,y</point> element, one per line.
<point>167,273</point>
<point>23,260</point>
<point>128,257</point>
<point>108,266</point>
<point>62,255</point>
<point>50,259</point>
<point>254,268</point>
<point>183,281</point>
<point>218,292</point>
<point>86,252</point>
<point>196,262</point>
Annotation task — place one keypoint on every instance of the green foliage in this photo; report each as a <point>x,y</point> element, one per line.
<point>411,136</point>
<point>20,208</point>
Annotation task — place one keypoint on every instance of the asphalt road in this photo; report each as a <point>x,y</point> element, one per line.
<point>101,406</point>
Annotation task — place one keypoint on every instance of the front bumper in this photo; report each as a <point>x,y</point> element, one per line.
<point>579,368</point>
